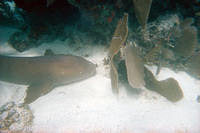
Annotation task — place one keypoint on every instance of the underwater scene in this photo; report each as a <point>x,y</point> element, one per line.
<point>99,66</point>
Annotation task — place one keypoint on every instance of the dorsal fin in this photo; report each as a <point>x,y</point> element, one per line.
<point>48,52</point>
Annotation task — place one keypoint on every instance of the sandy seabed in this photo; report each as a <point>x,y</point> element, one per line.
<point>90,106</point>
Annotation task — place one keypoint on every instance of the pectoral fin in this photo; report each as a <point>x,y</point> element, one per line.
<point>35,90</point>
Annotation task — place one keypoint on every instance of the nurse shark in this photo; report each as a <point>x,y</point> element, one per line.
<point>43,73</point>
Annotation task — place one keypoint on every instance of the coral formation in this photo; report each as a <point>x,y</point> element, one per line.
<point>15,118</point>
<point>137,76</point>
<point>20,41</point>
<point>187,40</point>
<point>170,42</point>
<point>10,14</point>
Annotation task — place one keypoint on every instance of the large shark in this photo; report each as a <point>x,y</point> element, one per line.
<point>43,73</point>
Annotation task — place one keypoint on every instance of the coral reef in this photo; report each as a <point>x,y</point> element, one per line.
<point>20,41</point>
<point>98,18</point>
<point>187,40</point>
<point>38,26</point>
<point>171,42</point>
<point>10,14</point>
<point>157,54</point>
<point>33,36</point>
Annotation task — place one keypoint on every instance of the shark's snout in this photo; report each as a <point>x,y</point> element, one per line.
<point>90,69</point>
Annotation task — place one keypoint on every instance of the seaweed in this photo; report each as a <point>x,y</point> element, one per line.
<point>119,36</point>
<point>137,75</point>
<point>118,39</point>
<point>169,88</point>
<point>134,67</point>
<point>114,77</point>
<point>142,9</point>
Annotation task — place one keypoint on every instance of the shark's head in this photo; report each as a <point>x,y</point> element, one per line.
<point>69,69</point>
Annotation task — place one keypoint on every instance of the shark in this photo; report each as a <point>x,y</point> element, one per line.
<point>44,73</point>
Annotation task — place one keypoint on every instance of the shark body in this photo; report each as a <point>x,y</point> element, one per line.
<point>43,73</point>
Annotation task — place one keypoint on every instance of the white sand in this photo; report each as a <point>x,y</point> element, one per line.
<point>90,106</point>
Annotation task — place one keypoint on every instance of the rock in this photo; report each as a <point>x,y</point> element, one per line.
<point>20,41</point>
<point>10,15</point>
<point>15,118</point>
